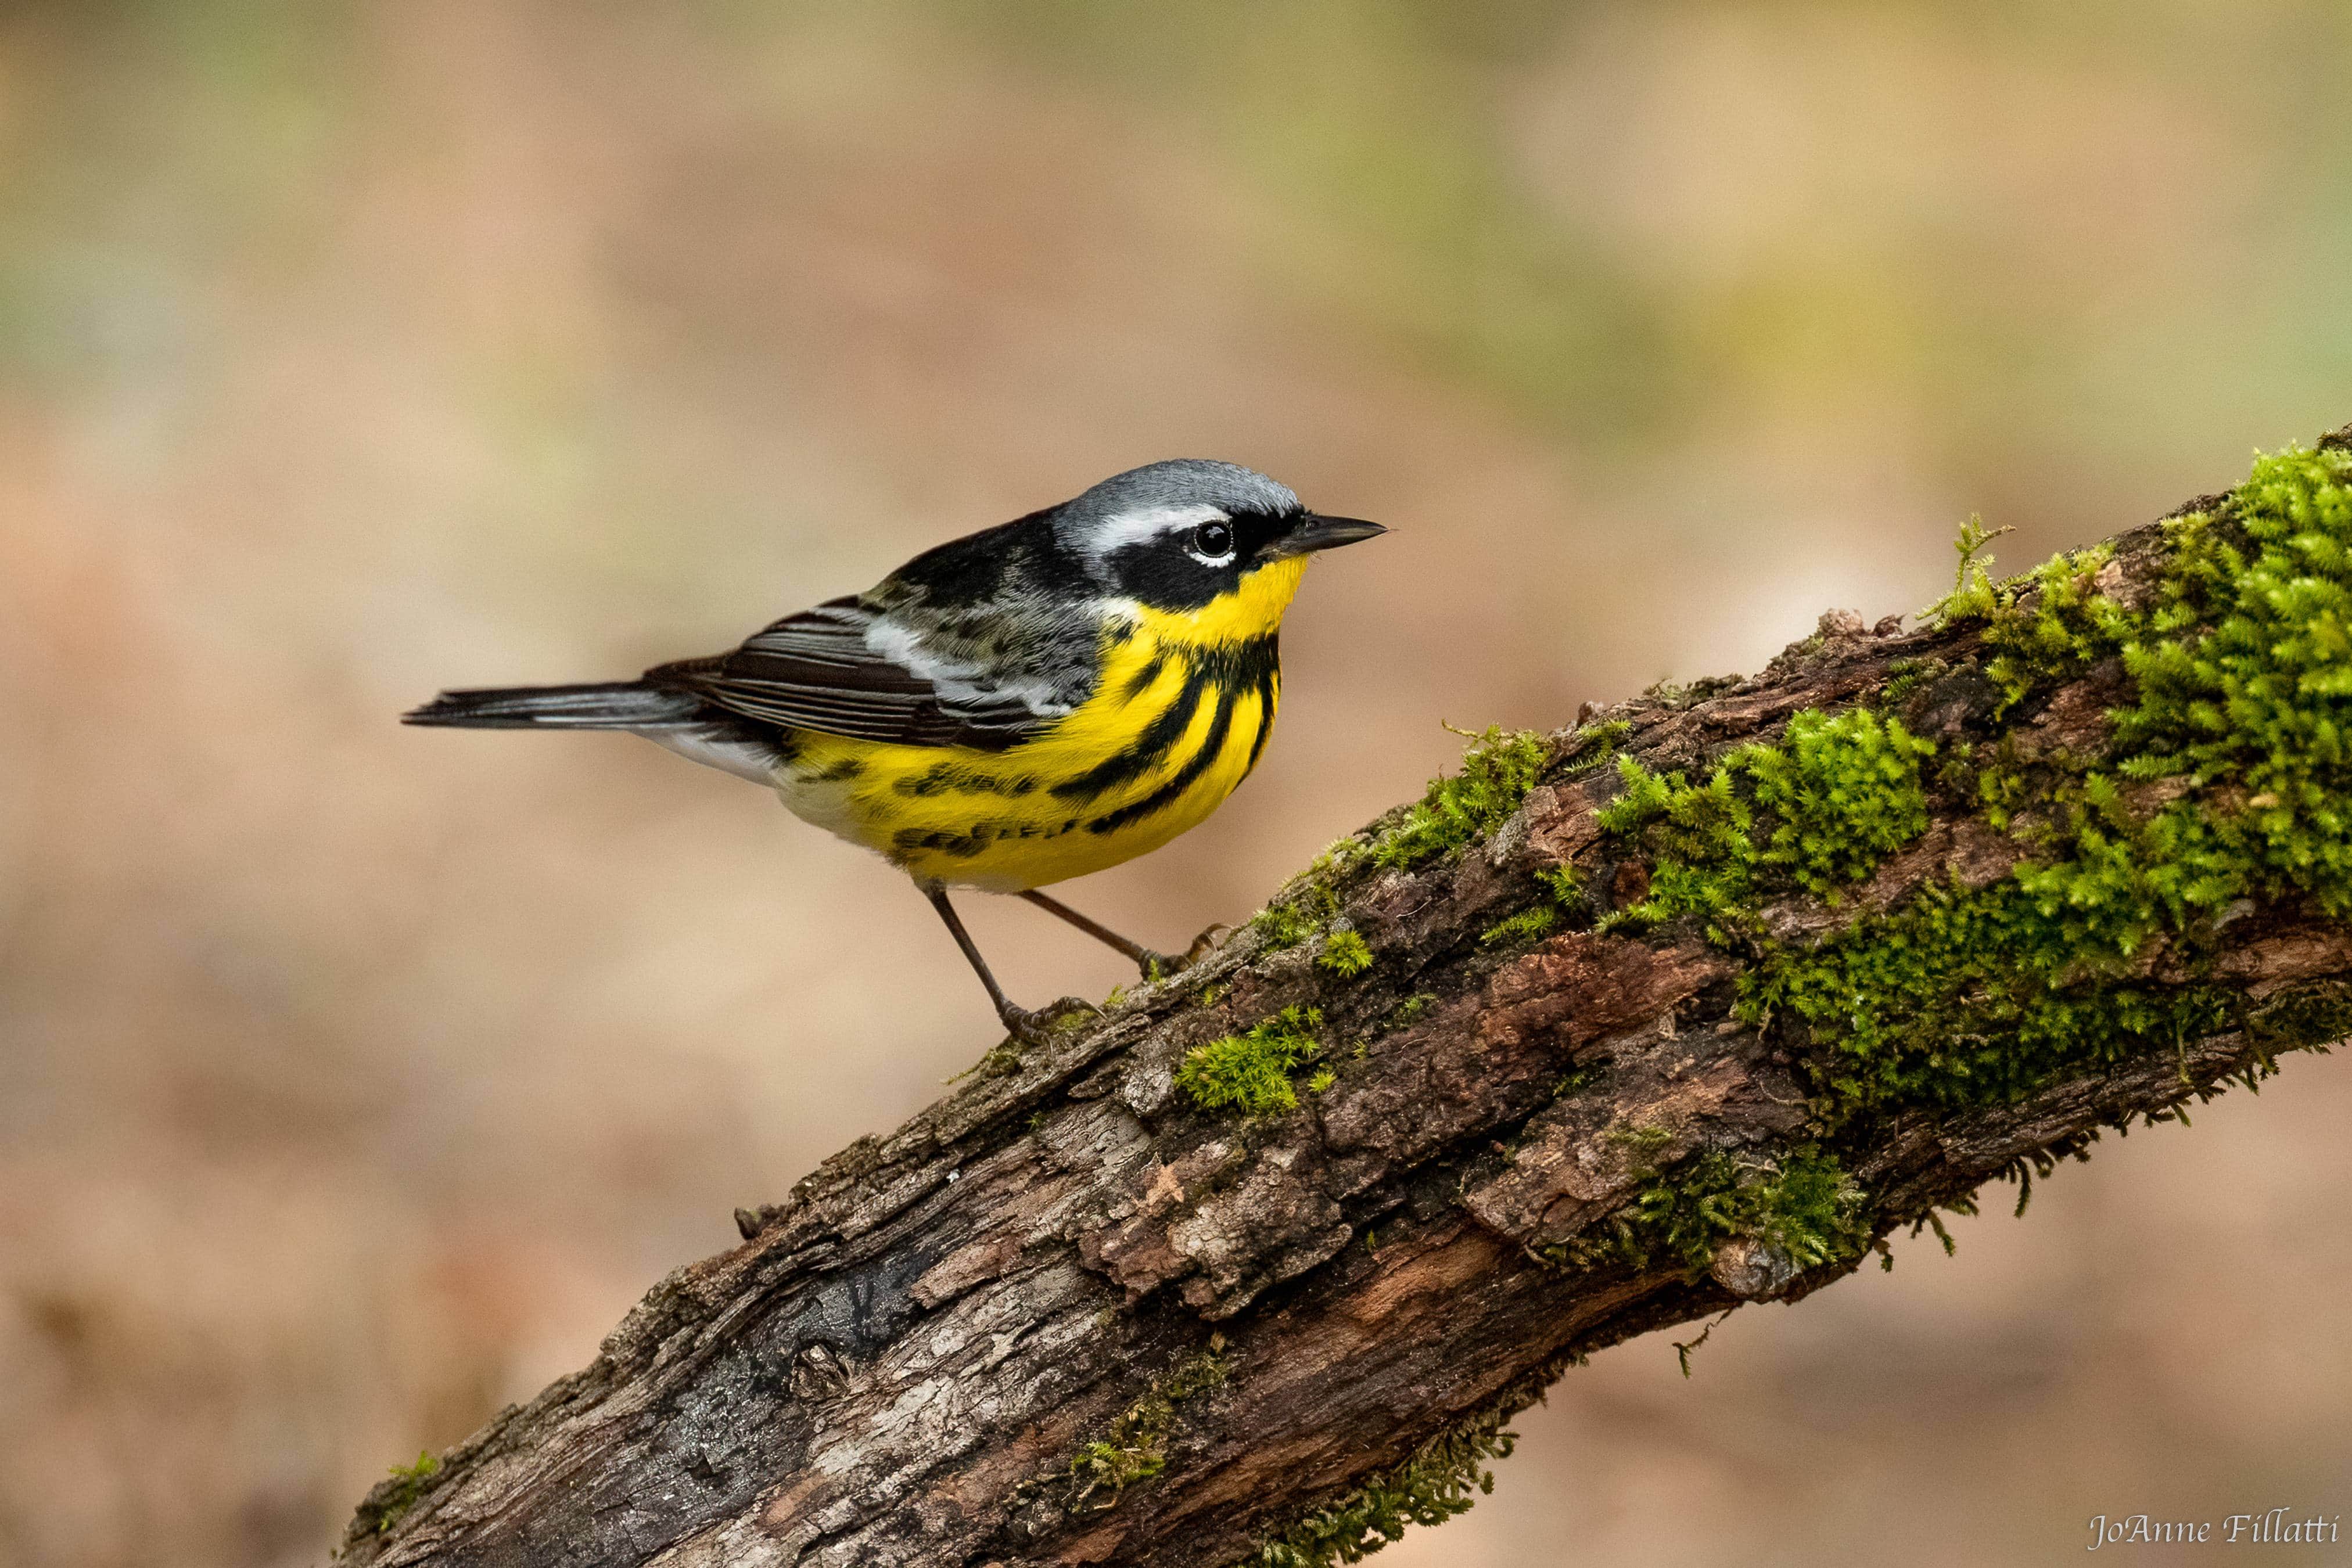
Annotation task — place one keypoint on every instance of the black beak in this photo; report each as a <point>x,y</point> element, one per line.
<point>1315,532</point>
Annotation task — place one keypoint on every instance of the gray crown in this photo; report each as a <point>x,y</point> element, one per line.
<point>1179,482</point>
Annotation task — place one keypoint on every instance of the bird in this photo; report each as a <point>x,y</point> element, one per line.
<point>1022,705</point>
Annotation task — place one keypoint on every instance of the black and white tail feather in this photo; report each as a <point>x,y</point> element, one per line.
<point>612,704</point>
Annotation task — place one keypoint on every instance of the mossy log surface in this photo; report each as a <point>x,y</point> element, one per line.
<point>1687,1006</point>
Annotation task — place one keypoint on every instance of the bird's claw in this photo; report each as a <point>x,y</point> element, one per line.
<point>1161,965</point>
<point>1035,1026</point>
<point>1155,966</point>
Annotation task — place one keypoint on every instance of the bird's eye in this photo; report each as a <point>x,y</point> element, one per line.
<point>1213,544</point>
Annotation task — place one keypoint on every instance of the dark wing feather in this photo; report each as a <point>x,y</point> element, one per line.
<point>816,671</point>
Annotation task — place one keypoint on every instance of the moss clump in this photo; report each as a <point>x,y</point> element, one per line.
<point>1345,954</point>
<point>1525,927</point>
<point>408,1484</point>
<point>1136,1447</point>
<point>1294,916</point>
<point>2244,671</point>
<point>1408,1010</point>
<point>1497,771</point>
<point>1968,997</point>
<point>2244,674</point>
<point>2051,625</point>
<point>1843,793</point>
<point>1641,1138</point>
<point>1972,587</point>
<point>1433,1486</point>
<point>1589,747</point>
<point>1816,811</point>
<point>1564,882</point>
<point>1802,1204</point>
<point>1566,901</point>
<point>2261,698</point>
<point>1251,1072</point>
<point>1698,838</point>
<point>2048,624</point>
<point>2293,1019</point>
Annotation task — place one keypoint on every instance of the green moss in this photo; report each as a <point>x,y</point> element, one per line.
<point>1641,1138</point>
<point>1815,811</point>
<point>1136,1447</point>
<point>1345,954</point>
<point>1966,998</point>
<point>1525,927</point>
<point>1843,792</point>
<point>408,1484</point>
<point>2316,1014</point>
<point>1808,1208</point>
<point>1497,771</point>
<point>1407,1011</point>
<point>2242,712</point>
<point>1297,913</point>
<point>1905,676</point>
<point>1563,886</point>
<point>1686,1349</point>
<point>1322,1080</point>
<point>1437,1482</point>
<point>2049,625</point>
<point>2260,698</point>
<point>1000,1059</point>
<point>1801,1204</point>
<point>1564,882</point>
<point>1592,746</point>
<point>2244,694</point>
<point>1251,1072</point>
<point>1973,593</point>
<point>1698,838</point>
<point>1576,1080</point>
<point>1997,786</point>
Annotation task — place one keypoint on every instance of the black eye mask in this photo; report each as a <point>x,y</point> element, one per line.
<point>1167,572</point>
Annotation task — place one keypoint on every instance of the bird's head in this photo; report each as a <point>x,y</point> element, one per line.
<point>1215,548</point>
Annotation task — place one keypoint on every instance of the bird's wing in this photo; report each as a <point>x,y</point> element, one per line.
<point>847,668</point>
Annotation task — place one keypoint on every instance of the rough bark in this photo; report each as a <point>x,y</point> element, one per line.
<point>1066,1316</point>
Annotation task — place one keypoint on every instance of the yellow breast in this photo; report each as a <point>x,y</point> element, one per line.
<point>1178,718</point>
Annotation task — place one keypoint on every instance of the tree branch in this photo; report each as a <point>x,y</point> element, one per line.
<point>1687,1006</point>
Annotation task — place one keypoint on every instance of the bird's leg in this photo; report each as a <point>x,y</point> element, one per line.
<point>1155,966</point>
<point>1030,1027</point>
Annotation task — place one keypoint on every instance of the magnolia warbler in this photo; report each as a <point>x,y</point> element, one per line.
<point>1026,705</point>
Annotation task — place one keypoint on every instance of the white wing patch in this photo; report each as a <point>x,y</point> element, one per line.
<point>958,682</point>
<point>845,670</point>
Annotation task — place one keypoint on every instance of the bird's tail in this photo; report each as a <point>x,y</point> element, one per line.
<point>618,704</point>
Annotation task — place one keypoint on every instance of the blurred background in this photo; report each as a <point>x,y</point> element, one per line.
<point>354,1080</point>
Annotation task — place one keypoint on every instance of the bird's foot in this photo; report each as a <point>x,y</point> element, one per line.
<point>1035,1026</point>
<point>1161,965</point>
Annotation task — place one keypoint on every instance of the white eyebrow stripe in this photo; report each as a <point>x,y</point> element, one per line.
<point>1150,522</point>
